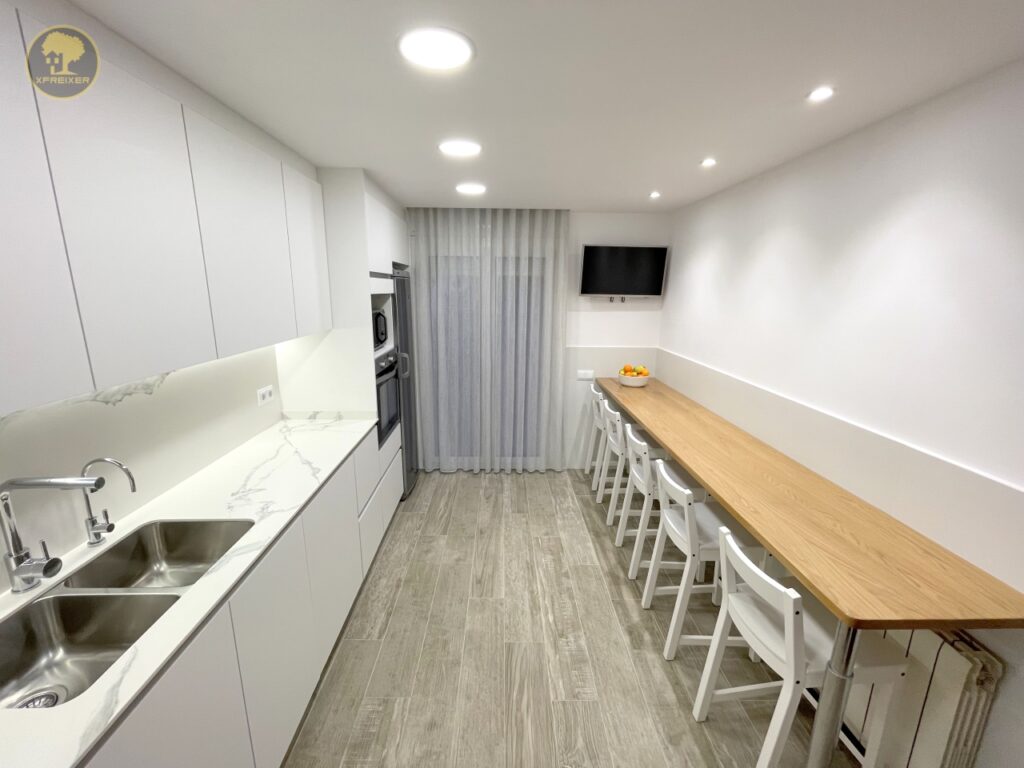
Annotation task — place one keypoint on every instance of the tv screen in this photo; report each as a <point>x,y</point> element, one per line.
<point>618,270</point>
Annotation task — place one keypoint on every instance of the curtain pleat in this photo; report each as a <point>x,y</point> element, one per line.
<point>489,290</point>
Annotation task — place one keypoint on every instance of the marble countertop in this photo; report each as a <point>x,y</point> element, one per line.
<point>267,480</point>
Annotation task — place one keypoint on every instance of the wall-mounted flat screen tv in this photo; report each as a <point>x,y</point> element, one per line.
<point>619,270</point>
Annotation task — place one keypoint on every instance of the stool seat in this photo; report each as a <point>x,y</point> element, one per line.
<point>710,516</point>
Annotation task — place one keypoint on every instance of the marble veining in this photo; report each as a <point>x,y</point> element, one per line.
<point>268,479</point>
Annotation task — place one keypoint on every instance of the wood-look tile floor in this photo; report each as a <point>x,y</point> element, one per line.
<point>497,628</point>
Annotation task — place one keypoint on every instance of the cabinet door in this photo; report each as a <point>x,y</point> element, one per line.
<point>275,636</point>
<point>193,715</point>
<point>240,197</point>
<point>307,242</point>
<point>385,236</point>
<point>368,470</point>
<point>331,528</point>
<point>41,333</point>
<point>122,180</point>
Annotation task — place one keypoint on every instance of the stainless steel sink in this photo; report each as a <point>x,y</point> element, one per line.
<point>161,555</point>
<point>56,647</point>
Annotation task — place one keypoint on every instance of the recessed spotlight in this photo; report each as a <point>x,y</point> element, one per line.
<point>436,48</point>
<point>821,93</point>
<point>654,195</point>
<point>470,188</point>
<point>459,148</point>
<point>708,162</point>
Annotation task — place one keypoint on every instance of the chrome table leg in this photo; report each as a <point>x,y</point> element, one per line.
<point>829,718</point>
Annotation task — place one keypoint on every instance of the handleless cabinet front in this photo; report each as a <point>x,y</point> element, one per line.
<point>41,339</point>
<point>240,197</point>
<point>275,634</point>
<point>124,189</point>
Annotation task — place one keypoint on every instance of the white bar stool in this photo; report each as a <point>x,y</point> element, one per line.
<point>614,445</point>
<point>793,635</point>
<point>642,480</point>
<point>693,527</point>
<point>596,432</point>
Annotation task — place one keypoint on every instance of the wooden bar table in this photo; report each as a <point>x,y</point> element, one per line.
<point>869,569</point>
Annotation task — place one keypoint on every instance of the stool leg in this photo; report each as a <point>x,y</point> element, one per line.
<point>620,462</point>
<point>652,572</point>
<point>627,505</point>
<point>675,627</point>
<point>713,665</point>
<point>601,479</point>
<point>779,727</point>
<point>587,466</point>
<point>641,536</point>
<point>716,581</point>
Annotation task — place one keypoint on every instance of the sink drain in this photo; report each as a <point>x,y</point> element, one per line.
<point>39,700</point>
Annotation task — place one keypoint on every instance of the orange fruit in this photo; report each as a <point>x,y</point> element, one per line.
<point>627,368</point>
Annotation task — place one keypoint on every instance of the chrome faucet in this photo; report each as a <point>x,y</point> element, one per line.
<point>23,570</point>
<point>96,527</point>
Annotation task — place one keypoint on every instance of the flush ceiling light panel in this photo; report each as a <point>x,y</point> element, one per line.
<point>821,93</point>
<point>708,162</point>
<point>470,188</point>
<point>436,49</point>
<point>654,195</point>
<point>459,148</point>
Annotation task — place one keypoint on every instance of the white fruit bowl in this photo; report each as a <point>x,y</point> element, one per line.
<point>633,381</point>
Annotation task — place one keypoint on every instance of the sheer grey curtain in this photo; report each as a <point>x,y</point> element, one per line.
<point>489,294</point>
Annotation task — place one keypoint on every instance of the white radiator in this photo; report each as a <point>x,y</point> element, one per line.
<point>939,710</point>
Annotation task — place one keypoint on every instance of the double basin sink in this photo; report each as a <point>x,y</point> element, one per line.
<point>55,647</point>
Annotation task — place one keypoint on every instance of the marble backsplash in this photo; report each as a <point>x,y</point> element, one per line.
<point>164,428</point>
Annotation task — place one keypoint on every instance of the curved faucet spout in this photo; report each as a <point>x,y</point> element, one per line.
<point>96,527</point>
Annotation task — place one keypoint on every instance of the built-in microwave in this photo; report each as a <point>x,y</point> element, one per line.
<point>380,329</point>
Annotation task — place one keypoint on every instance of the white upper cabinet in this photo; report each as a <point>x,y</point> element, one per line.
<point>240,196</point>
<point>386,237</point>
<point>123,184</point>
<point>41,340</point>
<point>304,204</point>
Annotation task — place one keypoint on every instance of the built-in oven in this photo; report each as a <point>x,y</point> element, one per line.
<point>388,412</point>
<point>380,329</point>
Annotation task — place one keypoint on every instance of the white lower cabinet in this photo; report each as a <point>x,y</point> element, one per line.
<point>275,635</point>
<point>368,469</point>
<point>379,510</point>
<point>331,528</point>
<point>194,714</point>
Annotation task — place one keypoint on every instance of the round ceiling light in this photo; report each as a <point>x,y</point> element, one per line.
<point>708,162</point>
<point>435,48</point>
<point>654,195</point>
<point>821,93</point>
<point>459,148</point>
<point>470,188</point>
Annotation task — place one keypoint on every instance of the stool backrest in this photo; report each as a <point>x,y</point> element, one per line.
<point>639,455</point>
<point>737,570</point>
<point>672,494</point>
<point>612,425</point>
<point>596,397</point>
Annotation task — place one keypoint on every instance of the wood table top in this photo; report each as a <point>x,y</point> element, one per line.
<point>871,570</point>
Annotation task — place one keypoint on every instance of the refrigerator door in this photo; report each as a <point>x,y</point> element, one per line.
<point>407,378</point>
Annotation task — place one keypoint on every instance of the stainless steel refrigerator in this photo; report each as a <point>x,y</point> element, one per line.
<point>406,378</point>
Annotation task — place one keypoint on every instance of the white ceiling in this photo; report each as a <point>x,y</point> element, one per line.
<point>583,104</point>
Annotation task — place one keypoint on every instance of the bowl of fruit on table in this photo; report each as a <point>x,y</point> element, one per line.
<point>634,375</point>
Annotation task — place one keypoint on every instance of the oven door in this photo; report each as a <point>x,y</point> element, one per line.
<point>387,404</point>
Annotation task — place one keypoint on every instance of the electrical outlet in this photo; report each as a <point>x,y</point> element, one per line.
<point>265,394</point>
<point>583,375</point>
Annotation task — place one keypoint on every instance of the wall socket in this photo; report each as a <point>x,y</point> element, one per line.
<point>265,394</point>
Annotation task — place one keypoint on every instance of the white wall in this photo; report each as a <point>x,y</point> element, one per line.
<point>861,309</point>
<point>602,335</point>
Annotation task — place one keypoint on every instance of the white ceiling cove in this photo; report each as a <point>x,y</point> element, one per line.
<point>584,104</point>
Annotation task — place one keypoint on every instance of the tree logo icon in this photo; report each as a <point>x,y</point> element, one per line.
<point>62,62</point>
